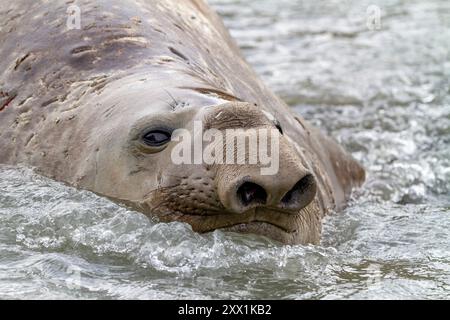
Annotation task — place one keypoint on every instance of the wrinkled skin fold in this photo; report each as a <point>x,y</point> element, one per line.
<point>75,104</point>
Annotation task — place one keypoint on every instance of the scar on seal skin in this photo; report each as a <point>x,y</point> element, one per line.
<point>5,99</point>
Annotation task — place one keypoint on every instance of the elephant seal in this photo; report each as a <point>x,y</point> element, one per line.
<point>96,107</point>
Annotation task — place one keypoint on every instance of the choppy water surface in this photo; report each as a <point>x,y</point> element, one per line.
<point>384,94</point>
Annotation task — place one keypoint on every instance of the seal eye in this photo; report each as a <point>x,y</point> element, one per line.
<point>157,138</point>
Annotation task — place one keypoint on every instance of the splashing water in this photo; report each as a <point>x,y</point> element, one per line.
<point>383,93</point>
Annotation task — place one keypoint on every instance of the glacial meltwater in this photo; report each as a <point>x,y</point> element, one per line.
<point>379,84</point>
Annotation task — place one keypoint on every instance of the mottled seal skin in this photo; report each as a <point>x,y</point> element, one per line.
<point>74,105</point>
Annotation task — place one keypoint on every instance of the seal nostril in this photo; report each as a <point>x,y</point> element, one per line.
<point>249,193</point>
<point>302,193</point>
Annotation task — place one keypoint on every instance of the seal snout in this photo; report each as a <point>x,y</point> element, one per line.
<point>288,192</point>
<point>288,188</point>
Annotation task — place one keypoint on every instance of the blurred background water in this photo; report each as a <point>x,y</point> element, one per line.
<point>381,87</point>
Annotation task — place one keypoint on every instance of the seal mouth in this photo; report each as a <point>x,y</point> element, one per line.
<point>266,229</point>
<point>265,221</point>
<point>284,230</point>
<point>283,225</point>
<point>247,226</point>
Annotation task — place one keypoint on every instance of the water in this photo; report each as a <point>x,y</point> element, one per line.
<point>384,94</point>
